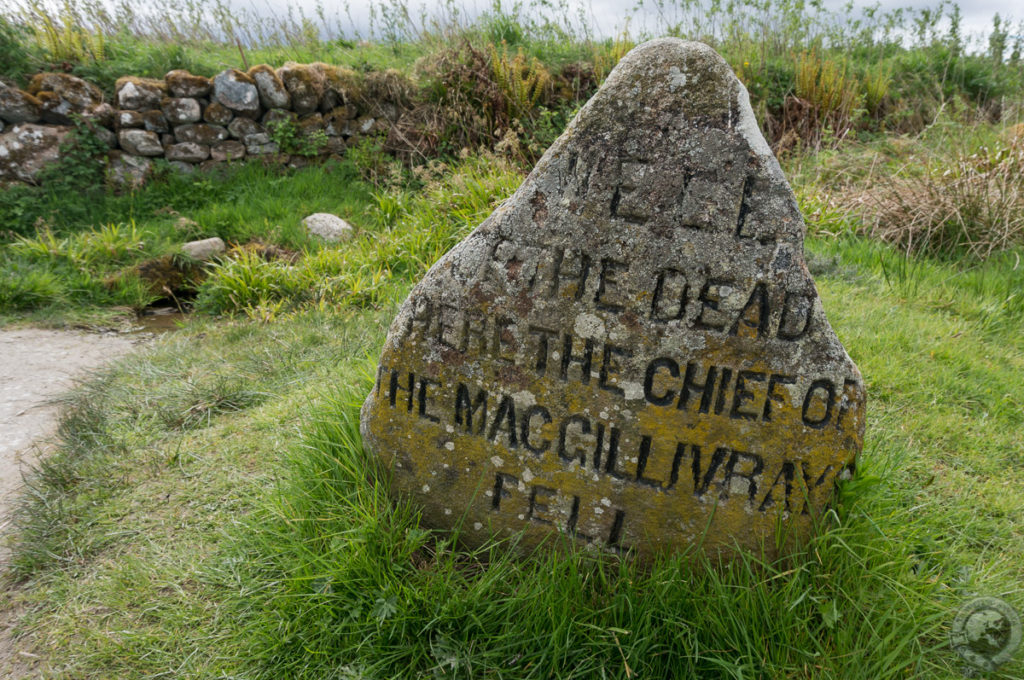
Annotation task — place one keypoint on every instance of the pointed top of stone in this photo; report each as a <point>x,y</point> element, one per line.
<point>629,353</point>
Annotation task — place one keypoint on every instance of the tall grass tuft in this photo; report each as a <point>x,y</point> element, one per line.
<point>963,201</point>
<point>829,94</point>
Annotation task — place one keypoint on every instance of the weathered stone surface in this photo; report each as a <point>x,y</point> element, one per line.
<point>139,94</point>
<point>181,110</point>
<point>229,150</point>
<point>304,84</point>
<point>335,145</point>
<point>273,93</point>
<point>201,133</point>
<point>102,114</point>
<point>278,116</point>
<point>154,121</point>
<point>27,148</point>
<point>187,152</point>
<point>310,124</point>
<point>181,83</point>
<point>127,171</point>
<point>128,119</point>
<point>328,227</point>
<point>106,135</point>
<point>242,128</point>
<point>140,142</point>
<point>205,249</point>
<point>217,114</point>
<point>237,91</point>
<point>338,124</point>
<point>630,352</point>
<point>262,149</point>
<point>17,106</point>
<point>64,95</point>
<point>341,86</point>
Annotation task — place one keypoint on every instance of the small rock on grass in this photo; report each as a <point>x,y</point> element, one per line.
<point>205,249</point>
<point>328,227</point>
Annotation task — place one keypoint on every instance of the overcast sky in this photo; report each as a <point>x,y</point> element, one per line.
<point>609,16</point>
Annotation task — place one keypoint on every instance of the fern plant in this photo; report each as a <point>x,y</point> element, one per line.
<point>521,79</point>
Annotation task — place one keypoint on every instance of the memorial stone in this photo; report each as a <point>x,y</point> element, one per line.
<point>629,354</point>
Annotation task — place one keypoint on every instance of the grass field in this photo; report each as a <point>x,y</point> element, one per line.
<point>210,512</point>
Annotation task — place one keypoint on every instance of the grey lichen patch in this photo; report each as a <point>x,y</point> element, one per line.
<point>630,351</point>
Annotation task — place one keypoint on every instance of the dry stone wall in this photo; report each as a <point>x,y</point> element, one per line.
<point>189,120</point>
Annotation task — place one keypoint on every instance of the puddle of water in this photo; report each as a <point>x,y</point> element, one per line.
<point>160,320</point>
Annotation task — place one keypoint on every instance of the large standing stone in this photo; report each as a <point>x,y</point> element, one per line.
<point>237,91</point>
<point>629,352</point>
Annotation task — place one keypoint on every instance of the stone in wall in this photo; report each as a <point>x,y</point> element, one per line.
<point>304,84</point>
<point>249,132</point>
<point>181,110</point>
<point>17,106</point>
<point>229,150</point>
<point>140,142</point>
<point>262,149</point>
<point>187,152</point>
<point>181,83</point>
<point>338,123</point>
<point>217,114</point>
<point>139,94</point>
<point>237,91</point>
<point>273,93</point>
<point>278,116</point>
<point>154,121</point>
<point>201,133</point>
<point>127,119</point>
<point>335,146</point>
<point>341,87</point>
<point>311,124</point>
<point>27,148</point>
<point>63,96</point>
<point>127,171</point>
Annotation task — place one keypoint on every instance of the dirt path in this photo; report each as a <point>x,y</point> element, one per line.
<point>36,366</point>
